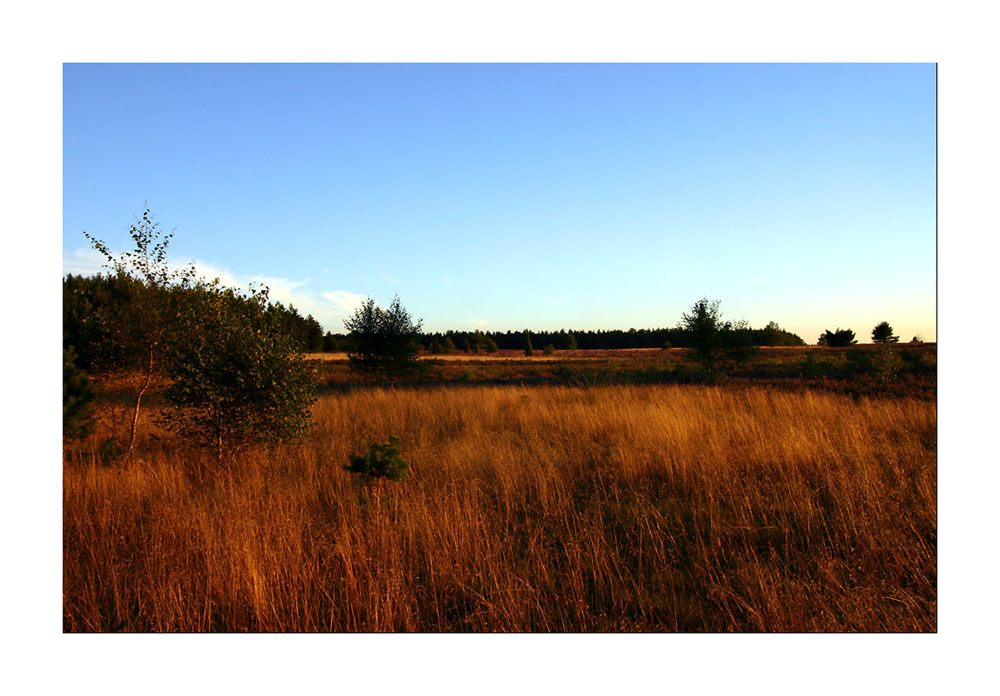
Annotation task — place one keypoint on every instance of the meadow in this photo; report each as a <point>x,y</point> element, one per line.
<point>548,507</point>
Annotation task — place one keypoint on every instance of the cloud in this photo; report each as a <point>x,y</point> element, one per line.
<point>479,323</point>
<point>346,301</point>
<point>84,261</point>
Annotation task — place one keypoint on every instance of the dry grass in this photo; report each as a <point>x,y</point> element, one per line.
<point>527,509</point>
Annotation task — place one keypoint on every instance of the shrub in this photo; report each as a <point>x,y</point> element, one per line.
<point>491,346</point>
<point>384,341</point>
<point>383,460</point>
<point>528,349</point>
<point>449,345</point>
<point>887,364</point>
<point>840,337</point>
<point>238,380</point>
<point>549,349</point>
<point>667,345</point>
<point>811,367</point>
<point>882,333</point>
<point>858,360</point>
<point>78,399</point>
<point>436,348</point>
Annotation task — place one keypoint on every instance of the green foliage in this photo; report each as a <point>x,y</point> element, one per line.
<point>383,460</point>
<point>886,365</point>
<point>528,348</point>
<point>467,376</point>
<point>78,398</point>
<point>384,341</point>
<point>838,338</point>
<point>436,348</point>
<point>667,345</point>
<point>811,367</point>
<point>858,360</point>
<point>704,326</point>
<point>882,333</point>
<point>737,343</point>
<point>139,328</point>
<point>491,346</point>
<point>449,345</point>
<point>237,379</point>
<point>466,346</point>
<point>774,335</point>
<point>549,349</point>
<point>570,342</point>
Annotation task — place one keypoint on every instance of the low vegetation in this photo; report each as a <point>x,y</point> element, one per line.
<point>618,508</point>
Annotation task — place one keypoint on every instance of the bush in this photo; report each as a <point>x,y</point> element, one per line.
<point>882,333</point>
<point>384,341</point>
<point>238,380</point>
<point>78,398</point>
<point>887,364</point>
<point>840,337</point>
<point>667,345</point>
<point>858,360</point>
<point>491,346</point>
<point>449,346</point>
<point>528,349</point>
<point>383,460</point>
<point>549,349</point>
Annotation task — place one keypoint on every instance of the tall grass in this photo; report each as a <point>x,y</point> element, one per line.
<point>527,509</point>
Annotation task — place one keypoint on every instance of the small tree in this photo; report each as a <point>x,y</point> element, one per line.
<point>491,345</point>
<point>449,345</point>
<point>882,333</point>
<point>238,379</point>
<point>549,349</point>
<point>384,341</point>
<point>570,342</point>
<point>703,326</point>
<point>383,460</point>
<point>838,338</point>
<point>528,349</point>
<point>140,329</point>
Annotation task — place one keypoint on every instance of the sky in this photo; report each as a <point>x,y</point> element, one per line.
<point>512,196</point>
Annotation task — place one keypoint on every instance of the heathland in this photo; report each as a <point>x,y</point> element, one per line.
<point>615,491</point>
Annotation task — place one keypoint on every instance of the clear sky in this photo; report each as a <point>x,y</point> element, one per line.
<point>511,196</point>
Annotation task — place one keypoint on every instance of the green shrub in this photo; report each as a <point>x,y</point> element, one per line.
<point>78,397</point>
<point>467,376</point>
<point>811,367</point>
<point>887,364</point>
<point>858,360</point>
<point>549,349</point>
<point>383,460</point>
<point>667,345</point>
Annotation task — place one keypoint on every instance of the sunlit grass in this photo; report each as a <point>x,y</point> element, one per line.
<point>526,509</point>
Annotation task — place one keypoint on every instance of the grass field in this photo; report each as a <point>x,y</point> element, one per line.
<point>645,507</point>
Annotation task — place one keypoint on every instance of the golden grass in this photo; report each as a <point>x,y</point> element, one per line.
<point>527,509</point>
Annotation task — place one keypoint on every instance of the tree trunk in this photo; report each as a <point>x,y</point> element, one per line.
<point>138,401</point>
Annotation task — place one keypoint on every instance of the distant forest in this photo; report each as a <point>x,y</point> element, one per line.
<point>87,297</point>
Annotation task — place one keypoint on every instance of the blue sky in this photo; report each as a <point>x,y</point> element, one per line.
<point>506,196</point>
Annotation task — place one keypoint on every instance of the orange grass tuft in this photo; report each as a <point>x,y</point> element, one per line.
<point>647,508</point>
